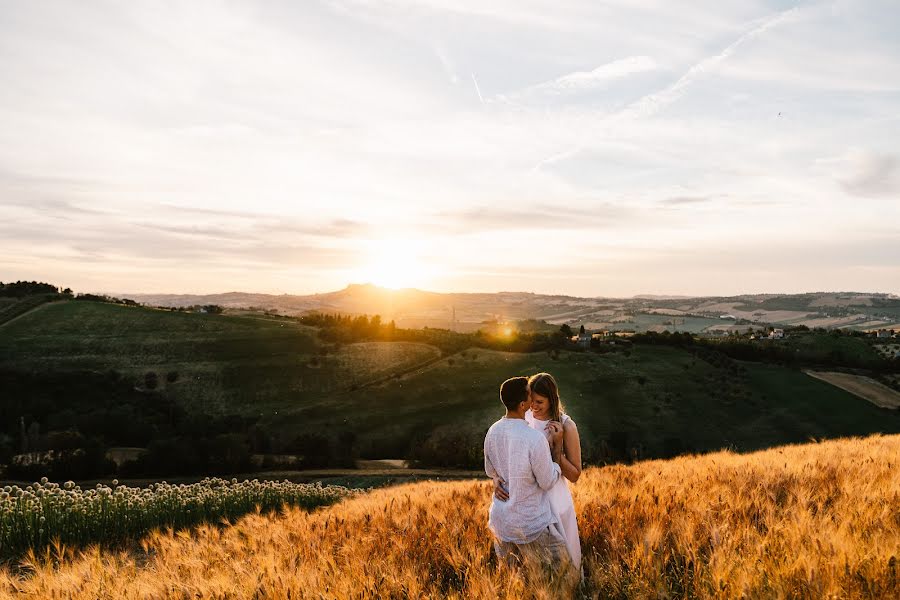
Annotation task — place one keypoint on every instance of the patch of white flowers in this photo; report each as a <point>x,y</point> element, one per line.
<point>36,515</point>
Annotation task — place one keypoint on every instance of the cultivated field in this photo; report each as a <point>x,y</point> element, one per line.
<point>225,364</point>
<point>807,522</point>
<point>864,387</point>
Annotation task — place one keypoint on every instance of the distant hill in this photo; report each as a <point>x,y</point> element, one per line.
<point>467,311</point>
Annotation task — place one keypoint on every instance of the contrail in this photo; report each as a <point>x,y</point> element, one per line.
<point>652,103</point>
<point>477,89</point>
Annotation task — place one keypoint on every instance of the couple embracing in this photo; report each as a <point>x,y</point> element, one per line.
<point>531,454</point>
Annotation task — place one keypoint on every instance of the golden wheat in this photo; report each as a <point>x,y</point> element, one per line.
<point>811,521</point>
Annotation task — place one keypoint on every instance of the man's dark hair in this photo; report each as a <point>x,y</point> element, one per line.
<point>513,391</point>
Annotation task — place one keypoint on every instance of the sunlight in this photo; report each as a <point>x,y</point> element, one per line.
<point>395,264</point>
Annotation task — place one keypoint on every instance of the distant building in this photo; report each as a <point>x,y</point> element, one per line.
<point>584,340</point>
<point>777,334</point>
<point>884,333</point>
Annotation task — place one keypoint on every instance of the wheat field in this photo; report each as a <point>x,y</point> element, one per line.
<point>820,520</point>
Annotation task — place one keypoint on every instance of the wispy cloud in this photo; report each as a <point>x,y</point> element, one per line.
<point>653,103</point>
<point>275,144</point>
<point>685,200</point>
<point>871,174</point>
<point>477,89</point>
<point>580,81</point>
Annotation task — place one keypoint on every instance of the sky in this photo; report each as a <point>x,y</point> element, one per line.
<point>590,148</point>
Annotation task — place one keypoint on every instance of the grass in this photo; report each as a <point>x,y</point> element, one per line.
<point>807,522</point>
<point>653,401</point>
<point>662,400</point>
<point>10,308</point>
<point>820,347</point>
<point>225,364</point>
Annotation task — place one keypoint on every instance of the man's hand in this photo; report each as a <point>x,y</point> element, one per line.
<point>500,492</point>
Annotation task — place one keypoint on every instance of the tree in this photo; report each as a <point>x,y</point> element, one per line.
<point>566,330</point>
<point>581,330</point>
<point>151,379</point>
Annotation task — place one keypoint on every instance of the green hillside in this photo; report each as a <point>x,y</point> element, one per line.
<point>261,384</point>
<point>224,364</point>
<point>657,401</point>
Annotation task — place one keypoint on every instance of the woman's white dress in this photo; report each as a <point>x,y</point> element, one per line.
<point>561,500</point>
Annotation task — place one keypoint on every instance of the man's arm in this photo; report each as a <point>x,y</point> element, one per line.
<point>488,465</point>
<point>544,464</point>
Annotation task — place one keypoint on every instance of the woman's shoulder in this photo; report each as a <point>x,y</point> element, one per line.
<point>566,421</point>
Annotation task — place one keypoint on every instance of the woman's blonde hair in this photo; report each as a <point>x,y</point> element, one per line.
<point>545,385</point>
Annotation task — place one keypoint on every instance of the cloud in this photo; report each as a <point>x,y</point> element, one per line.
<point>447,64</point>
<point>685,200</point>
<point>477,89</point>
<point>492,219</point>
<point>653,103</point>
<point>580,81</point>
<point>871,175</point>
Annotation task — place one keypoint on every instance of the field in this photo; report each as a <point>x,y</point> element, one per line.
<point>808,522</point>
<point>402,401</point>
<point>45,513</point>
<point>864,387</point>
<point>836,348</point>
<point>656,401</point>
<point>225,364</point>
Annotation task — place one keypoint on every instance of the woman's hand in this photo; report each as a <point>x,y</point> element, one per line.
<point>555,430</point>
<point>500,492</point>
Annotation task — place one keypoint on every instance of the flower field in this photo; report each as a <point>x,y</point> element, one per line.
<point>43,513</point>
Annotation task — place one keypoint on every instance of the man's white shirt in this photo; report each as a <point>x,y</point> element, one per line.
<point>520,456</point>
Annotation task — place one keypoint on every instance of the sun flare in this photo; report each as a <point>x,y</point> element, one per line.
<point>395,264</point>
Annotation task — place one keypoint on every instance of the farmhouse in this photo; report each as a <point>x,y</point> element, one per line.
<point>777,334</point>
<point>884,333</point>
<point>584,339</point>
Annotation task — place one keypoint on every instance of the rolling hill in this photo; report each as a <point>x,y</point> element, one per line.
<point>275,387</point>
<point>465,312</point>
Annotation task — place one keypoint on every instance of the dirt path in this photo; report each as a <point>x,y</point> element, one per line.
<point>28,312</point>
<point>875,392</point>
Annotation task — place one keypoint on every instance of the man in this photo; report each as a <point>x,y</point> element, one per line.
<point>520,456</point>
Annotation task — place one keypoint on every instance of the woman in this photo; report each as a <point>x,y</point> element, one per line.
<point>547,415</point>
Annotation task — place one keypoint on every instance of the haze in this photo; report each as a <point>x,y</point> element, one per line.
<point>585,148</point>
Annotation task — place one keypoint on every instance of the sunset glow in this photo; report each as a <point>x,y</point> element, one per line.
<point>394,264</point>
<point>603,149</point>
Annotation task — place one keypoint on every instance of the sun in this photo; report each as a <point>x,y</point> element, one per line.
<point>395,264</point>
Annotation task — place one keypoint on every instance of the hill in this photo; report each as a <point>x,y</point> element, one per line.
<point>466,312</point>
<point>809,521</point>
<point>230,386</point>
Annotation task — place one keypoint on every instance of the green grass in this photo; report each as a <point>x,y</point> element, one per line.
<point>661,399</point>
<point>642,322</point>
<point>843,349</point>
<point>225,364</point>
<point>10,308</point>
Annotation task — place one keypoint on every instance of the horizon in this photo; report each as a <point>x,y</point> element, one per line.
<point>605,150</point>
<point>435,291</point>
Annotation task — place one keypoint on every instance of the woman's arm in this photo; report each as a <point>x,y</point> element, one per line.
<point>570,462</point>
